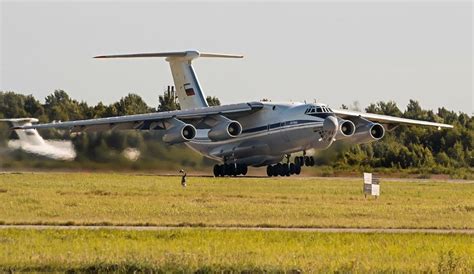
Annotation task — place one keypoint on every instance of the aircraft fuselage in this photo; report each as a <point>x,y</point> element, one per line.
<point>269,134</point>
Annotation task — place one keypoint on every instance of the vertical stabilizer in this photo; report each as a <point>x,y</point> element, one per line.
<point>190,93</point>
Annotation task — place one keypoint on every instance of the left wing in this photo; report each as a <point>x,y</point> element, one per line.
<point>388,120</point>
<point>151,120</point>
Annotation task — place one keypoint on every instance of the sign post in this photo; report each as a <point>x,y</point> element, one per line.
<point>371,185</point>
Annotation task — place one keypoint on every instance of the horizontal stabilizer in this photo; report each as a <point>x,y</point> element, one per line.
<point>220,55</point>
<point>20,120</point>
<point>192,54</point>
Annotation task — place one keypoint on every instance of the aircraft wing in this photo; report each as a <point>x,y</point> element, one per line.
<point>151,120</point>
<point>385,119</point>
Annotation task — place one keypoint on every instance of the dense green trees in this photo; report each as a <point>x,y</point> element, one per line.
<point>402,147</point>
<point>168,101</point>
<point>213,101</point>
<point>419,147</point>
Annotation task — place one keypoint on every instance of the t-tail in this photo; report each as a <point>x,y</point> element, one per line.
<point>28,136</point>
<point>190,93</point>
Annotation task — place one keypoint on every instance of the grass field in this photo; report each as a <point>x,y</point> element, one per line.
<point>87,198</point>
<point>127,199</point>
<point>204,250</point>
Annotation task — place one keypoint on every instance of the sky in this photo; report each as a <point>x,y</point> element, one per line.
<point>331,52</point>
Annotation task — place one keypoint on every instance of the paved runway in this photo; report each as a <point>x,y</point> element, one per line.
<point>296,229</point>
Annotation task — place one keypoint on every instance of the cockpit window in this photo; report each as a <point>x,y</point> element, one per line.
<point>318,110</point>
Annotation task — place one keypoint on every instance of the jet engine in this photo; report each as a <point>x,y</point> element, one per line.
<point>179,132</point>
<point>346,129</point>
<point>367,132</point>
<point>225,130</point>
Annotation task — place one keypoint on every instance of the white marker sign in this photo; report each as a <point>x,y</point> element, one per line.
<point>371,185</point>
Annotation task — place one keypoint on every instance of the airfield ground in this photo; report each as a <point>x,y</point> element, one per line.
<point>134,200</point>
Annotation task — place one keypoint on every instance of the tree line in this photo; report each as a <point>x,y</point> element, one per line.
<point>403,147</point>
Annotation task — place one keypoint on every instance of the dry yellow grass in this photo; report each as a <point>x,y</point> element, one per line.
<point>88,198</point>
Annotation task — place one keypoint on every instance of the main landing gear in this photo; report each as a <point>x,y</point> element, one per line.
<point>304,160</point>
<point>283,169</point>
<point>230,170</point>
<point>290,169</point>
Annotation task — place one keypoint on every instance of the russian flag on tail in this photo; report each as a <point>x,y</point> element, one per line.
<point>189,89</point>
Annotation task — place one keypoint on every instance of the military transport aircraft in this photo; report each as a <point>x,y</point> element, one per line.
<point>247,134</point>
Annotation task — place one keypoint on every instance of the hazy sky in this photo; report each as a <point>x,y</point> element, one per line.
<point>334,52</point>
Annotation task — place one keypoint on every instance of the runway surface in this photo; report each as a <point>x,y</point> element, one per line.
<point>294,229</point>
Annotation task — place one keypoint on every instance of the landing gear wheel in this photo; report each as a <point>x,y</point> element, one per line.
<point>276,170</point>
<point>297,161</point>
<point>269,170</point>
<point>221,170</point>
<point>244,170</point>
<point>217,170</point>
<point>307,161</point>
<point>301,160</point>
<point>287,169</point>
<point>238,169</point>
<point>311,161</point>
<point>225,168</point>
<point>292,169</point>
<point>297,169</point>
<point>280,169</point>
<point>232,170</point>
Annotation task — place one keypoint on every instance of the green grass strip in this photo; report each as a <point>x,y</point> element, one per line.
<point>189,250</point>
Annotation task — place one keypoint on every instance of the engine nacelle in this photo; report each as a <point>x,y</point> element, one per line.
<point>346,129</point>
<point>179,134</point>
<point>366,133</point>
<point>225,130</point>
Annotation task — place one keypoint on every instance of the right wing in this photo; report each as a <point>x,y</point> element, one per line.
<point>151,120</point>
<point>387,120</point>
